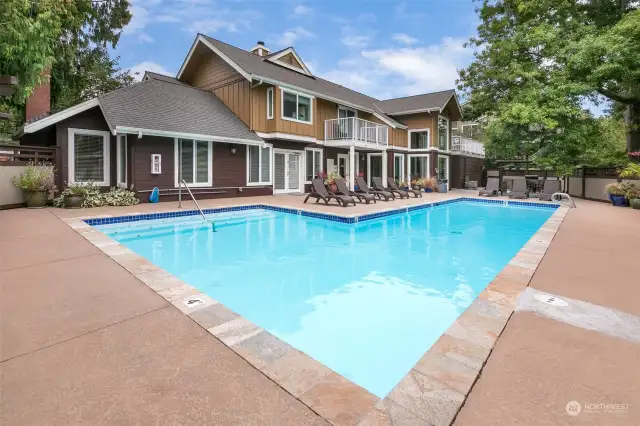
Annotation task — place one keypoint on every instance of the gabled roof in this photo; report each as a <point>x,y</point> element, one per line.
<point>418,103</point>
<point>160,106</point>
<point>167,79</point>
<point>277,58</point>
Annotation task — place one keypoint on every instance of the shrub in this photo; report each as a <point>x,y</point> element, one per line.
<point>622,188</point>
<point>36,177</point>
<point>94,197</point>
<point>632,171</point>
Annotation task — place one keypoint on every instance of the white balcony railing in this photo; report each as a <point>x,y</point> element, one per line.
<point>467,146</point>
<point>356,130</point>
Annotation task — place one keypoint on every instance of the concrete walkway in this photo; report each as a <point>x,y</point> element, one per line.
<point>549,356</point>
<point>82,341</point>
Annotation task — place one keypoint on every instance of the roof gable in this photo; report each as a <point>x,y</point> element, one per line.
<point>288,58</point>
<point>436,101</point>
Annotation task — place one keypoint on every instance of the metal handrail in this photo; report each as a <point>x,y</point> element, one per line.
<point>183,182</point>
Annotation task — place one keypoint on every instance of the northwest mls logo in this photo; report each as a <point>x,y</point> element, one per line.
<point>573,408</point>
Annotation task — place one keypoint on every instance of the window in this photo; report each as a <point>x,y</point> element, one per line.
<point>258,165</point>
<point>296,107</point>
<point>419,139</point>
<point>313,163</point>
<point>443,133</point>
<point>89,156</point>
<point>419,166</point>
<point>270,103</point>
<point>193,162</point>
<point>122,160</point>
<point>443,167</point>
<point>398,167</point>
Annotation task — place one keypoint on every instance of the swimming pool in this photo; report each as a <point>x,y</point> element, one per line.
<point>366,299</point>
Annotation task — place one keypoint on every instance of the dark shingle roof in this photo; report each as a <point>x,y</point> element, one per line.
<point>256,65</point>
<point>165,106</point>
<point>162,77</point>
<point>415,103</point>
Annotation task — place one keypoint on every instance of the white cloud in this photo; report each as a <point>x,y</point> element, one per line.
<point>145,38</point>
<point>301,9</point>
<point>210,26</point>
<point>357,41</point>
<point>291,36</point>
<point>148,66</point>
<point>139,20</point>
<point>404,38</point>
<point>166,18</point>
<point>393,72</point>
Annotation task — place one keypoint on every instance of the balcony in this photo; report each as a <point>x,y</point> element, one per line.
<point>467,146</point>
<point>354,131</point>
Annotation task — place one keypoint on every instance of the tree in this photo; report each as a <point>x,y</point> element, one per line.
<point>69,39</point>
<point>524,78</point>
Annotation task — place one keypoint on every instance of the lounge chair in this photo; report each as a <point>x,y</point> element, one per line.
<point>344,190</point>
<point>363,188</point>
<point>492,188</point>
<point>550,188</point>
<point>378,186</point>
<point>519,189</point>
<point>320,193</point>
<point>393,186</point>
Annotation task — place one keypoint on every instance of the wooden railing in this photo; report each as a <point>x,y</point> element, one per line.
<point>26,154</point>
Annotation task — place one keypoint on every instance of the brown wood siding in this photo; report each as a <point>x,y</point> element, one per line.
<point>398,137</point>
<point>291,60</point>
<point>210,72</point>
<point>418,121</point>
<point>463,167</point>
<point>292,127</point>
<point>325,110</point>
<point>259,121</point>
<point>229,171</point>
<point>91,119</point>
<point>237,96</point>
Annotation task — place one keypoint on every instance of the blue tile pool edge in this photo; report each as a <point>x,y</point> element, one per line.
<point>317,215</point>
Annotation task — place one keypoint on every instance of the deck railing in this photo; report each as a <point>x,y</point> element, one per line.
<point>467,146</point>
<point>26,154</point>
<point>356,130</point>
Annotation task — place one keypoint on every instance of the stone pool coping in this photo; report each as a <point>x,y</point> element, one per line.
<point>433,391</point>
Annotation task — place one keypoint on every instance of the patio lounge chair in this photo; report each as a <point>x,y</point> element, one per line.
<point>519,189</point>
<point>393,186</point>
<point>378,186</point>
<point>363,188</point>
<point>320,193</point>
<point>492,188</point>
<point>550,188</point>
<point>344,190</point>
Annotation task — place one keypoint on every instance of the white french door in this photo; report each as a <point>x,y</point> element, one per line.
<point>343,166</point>
<point>287,171</point>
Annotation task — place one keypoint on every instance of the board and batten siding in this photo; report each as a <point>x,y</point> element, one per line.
<point>209,71</point>
<point>237,96</point>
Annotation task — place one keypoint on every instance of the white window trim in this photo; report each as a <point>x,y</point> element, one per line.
<point>347,109</point>
<point>305,161</point>
<point>121,143</point>
<point>410,156</point>
<point>293,92</point>
<point>176,164</point>
<point>396,155</point>
<point>106,138</point>
<point>270,104</point>
<point>270,183</point>
<point>418,131</point>
<point>369,155</point>
<point>448,177</point>
<point>448,132</point>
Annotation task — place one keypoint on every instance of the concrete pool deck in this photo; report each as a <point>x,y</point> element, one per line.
<point>116,352</point>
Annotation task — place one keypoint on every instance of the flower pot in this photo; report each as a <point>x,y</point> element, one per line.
<point>35,199</point>
<point>333,187</point>
<point>618,200</point>
<point>404,188</point>
<point>635,203</point>
<point>428,190</point>
<point>417,188</point>
<point>73,201</point>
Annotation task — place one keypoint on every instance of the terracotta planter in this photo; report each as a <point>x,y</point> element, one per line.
<point>333,187</point>
<point>73,201</point>
<point>635,203</point>
<point>35,199</point>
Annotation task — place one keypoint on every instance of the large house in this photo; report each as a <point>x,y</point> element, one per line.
<point>239,123</point>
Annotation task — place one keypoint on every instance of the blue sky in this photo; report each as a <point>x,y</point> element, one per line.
<point>382,48</point>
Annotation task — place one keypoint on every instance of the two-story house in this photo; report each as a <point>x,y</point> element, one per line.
<point>239,123</point>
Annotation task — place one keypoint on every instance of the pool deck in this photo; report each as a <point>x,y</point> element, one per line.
<point>85,341</point>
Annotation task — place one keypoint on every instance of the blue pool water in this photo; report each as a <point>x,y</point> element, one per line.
<point>366,299</point>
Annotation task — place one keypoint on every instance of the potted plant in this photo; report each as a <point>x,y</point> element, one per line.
<point>416,184</point>
<point>36,182</point>
<point>330,181</point>
<point>404,185</point>
<point>74,195</point>
<point>617,194</point>
<point>430,184</point>
<point>634,199</point>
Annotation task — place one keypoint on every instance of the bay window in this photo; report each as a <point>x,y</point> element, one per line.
<point>296,107</point>
<point>88,156</point>
<point>258,165</point>
<point>313,160</point>
<point>193,162</point>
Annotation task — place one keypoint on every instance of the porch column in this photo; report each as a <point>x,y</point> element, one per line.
<point>384,168</point>
<point>352,167</point>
